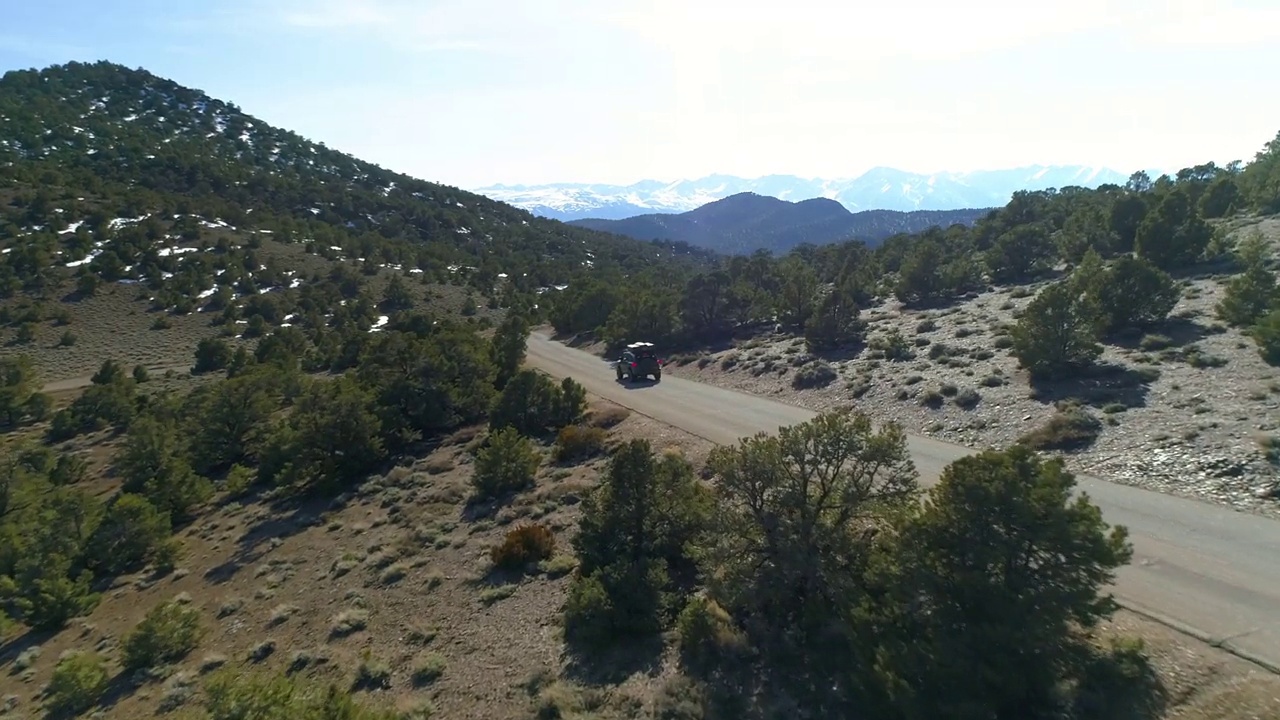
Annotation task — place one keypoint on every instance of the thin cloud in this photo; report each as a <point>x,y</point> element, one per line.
<point>42,50</point>
<point>884,31</point>
<point>477,91</point>
<point>1198,23</point>
<point>496,26</point>
<point>331,14</point>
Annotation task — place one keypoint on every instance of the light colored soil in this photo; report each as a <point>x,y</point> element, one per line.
<point>289,573</point>
<point>1199,682</point>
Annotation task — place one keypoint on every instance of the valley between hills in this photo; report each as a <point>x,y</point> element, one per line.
<point>273,447</point>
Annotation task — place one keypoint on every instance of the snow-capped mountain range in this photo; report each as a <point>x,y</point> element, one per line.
<point>876,189</point>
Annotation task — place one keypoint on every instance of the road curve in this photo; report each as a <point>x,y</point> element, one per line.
<point>1204,569</point>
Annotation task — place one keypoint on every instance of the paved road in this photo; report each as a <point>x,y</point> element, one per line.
<point>1208,570</point>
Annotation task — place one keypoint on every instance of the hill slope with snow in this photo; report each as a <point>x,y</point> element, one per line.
<point>135,143</point>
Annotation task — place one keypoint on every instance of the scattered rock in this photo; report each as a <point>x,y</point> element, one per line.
<point>1170,426</point>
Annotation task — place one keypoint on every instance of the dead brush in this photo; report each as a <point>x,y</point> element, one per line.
<point>524,545</point>
<point>579,441</point>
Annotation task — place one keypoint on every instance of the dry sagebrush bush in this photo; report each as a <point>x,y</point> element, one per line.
<point>607,416</point>
<point>578,441</point>
<point>523,545</point>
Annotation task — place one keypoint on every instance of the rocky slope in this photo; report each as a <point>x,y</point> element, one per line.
<point>1192,411</point>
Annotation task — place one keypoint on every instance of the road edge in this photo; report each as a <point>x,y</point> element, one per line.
<point>1155,616</point>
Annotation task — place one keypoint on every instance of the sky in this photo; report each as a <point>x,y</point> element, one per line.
<point>479,92</point>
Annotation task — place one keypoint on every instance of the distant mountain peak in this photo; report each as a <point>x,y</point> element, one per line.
<point>748,221</point>
<point>880,188</point>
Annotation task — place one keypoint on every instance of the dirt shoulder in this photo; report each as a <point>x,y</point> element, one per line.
<point>1196,681</point>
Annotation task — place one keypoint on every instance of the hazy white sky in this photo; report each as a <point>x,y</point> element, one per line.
<point>473,92</point>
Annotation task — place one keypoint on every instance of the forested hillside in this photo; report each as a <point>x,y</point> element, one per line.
<point>88,151</point>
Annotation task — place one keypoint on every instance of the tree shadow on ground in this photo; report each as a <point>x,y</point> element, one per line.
<point>615,664</point>
<point>686,353</point>
<point>757,689</point>
<point>840,354</point>
<point>286,517</point>
<point>1180,331</point>
<point>1098,386</point>
<point>121,686</point>
<point>496,577</point>
<point>13,647</point>
<point>292,512</point>
<point>1217,268</point>
<point>1109,684</point>
<point>1118,683</point>
<point>74,296</point>
<point>637,384</point>
<point>932,303</point>
<point>475,509</point>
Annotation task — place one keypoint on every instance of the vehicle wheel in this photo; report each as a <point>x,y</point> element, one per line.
<point>657,377</point>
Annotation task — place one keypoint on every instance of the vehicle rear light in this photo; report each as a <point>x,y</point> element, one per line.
<point>633,364</point>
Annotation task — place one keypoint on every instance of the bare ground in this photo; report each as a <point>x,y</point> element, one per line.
<point>399,569</point>
<point>402,557</point>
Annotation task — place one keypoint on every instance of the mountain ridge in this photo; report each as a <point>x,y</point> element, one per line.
<point>746,222</point>
<point>880,188</point>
